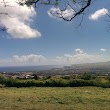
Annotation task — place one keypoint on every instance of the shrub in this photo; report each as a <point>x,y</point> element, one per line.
<point>86,76</point>
<point>80,82</point>
<point>54,82</point>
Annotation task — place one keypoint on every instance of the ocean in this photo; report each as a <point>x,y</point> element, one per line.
<point>28,68</point>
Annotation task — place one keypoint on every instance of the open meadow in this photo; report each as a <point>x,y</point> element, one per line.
<point>56,98</point>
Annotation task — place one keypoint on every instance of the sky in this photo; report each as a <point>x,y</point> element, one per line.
<point>35,37</point>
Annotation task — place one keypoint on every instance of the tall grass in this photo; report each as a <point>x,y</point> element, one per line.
<point>58,98</point>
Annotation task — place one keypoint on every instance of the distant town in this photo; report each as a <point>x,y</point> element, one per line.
<point>66,71</point>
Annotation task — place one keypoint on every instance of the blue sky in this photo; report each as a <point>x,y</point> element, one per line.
<point>35,38</point>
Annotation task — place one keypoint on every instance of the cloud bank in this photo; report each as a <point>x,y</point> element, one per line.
<point>78,57</point>
<point>23,60</point>
<point>98,14</point>
<point>17,19</point>
<point>28,58</point>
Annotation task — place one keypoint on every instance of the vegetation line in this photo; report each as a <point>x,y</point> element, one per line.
<point>66,81</point>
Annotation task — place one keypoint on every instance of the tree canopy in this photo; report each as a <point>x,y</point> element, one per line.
<point>65,9</point>
<point>75,7</point>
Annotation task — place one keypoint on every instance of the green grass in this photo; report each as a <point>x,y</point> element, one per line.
<point>42,98</point>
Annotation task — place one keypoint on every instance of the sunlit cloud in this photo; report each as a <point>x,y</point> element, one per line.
<point>98,14</point>
<point>17,20</point>
<point>78,50</point>
<point>57,13</point>
<point>103,50</point>
<point>78,57</point>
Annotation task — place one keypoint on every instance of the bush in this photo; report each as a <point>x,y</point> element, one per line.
<point>54,82</point>
<point>80,83</point>
<point>86,76</point>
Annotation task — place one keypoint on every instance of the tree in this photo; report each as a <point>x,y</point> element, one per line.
<point>86,76</point>
<point>65,9</point>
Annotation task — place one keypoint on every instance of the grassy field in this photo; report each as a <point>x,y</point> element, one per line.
<point>78,98</point>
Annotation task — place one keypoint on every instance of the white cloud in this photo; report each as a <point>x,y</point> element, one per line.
<point>56,12</point>
<point>98,14</point>
<point>24,60</point>
<point>67,59</point>
<point>53,11</point>
<point>78,50</point>
<point>29,58</point>
<point>80,57</point>
<point>18,20</point>
<point>103,50</point>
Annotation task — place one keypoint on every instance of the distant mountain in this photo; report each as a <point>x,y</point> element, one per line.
<point>100,67</point>
<point>92,65</point>
<point>97,68</point>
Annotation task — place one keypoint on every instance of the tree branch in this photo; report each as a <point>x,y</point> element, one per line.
<point>79,12</point>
